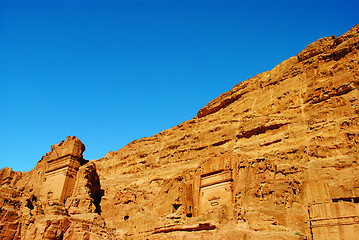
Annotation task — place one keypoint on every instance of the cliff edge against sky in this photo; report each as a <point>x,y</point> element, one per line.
<point>276,157</point>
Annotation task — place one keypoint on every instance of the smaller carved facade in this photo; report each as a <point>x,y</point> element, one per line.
<point>63,162</point>
<point>8,176</point>
<point>213,185</point>
<point>215,189</point>
<point>331,218</point>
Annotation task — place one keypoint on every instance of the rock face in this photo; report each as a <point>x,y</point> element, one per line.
<point>59,199</point>
<point>62,164</point>
<point>276,157</point>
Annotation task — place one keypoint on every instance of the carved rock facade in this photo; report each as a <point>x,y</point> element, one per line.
<point>59,199</point>
<point>63,162</point>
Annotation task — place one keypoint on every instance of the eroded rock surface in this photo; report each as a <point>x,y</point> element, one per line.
<point>59,199</point>
<point>276,157</point>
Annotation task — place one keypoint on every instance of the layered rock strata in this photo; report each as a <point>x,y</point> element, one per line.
<point>276,157</point>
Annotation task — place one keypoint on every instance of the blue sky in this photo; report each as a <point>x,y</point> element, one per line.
<point>110,72</point>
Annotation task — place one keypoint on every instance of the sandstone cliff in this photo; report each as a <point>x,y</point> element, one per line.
<point>276,157</point>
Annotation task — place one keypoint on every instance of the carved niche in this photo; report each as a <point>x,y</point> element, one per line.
<point>213,186</point>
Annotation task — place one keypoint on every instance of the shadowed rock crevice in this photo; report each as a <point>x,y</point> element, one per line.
<point>228,98</point>
<point>97,200</point>
<point>87,194</point>
<point>220,143</point>
<point>325,94</point>
<point>198,227</point>
<point>259,130</point>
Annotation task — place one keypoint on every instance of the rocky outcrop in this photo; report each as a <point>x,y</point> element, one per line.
<point>87,193</point>
<point>9,177</point>
<point>62,165</point>
<point>276,157</point>
<point>59,199</point>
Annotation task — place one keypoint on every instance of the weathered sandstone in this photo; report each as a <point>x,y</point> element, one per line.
<point>276,157</point>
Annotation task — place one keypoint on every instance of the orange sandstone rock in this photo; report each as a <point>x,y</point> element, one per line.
<point>276,157</point>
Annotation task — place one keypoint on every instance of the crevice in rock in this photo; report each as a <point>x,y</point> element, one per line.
<point>348,199</point>
<point>96,193</point>
<point>97,200</point>
<point>334,93</point>
<point>336,55</point>
<point>198,227</point>
<point>221,102</point>
<point>198,148</point>
<point>260,130</point>
<point>270,143</point>
<point>220,143</point>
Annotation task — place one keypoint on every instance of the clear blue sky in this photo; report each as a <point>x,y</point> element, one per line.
<point>110,72</point>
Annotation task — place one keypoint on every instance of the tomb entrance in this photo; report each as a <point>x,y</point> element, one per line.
<point>214,185</point>
<point>215,190</point>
